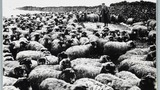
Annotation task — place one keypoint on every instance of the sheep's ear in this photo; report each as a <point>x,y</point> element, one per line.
<point>131,44</point>
<point>94,44</point>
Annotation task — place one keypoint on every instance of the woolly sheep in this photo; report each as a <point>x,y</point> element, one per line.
<point>54,84</point>
<point>52,60</point>
<point>29,54</point>
<point>115,49</point>
<point>89,71</point>
<point>40,73</point>
<point>35,46</point>
<point>130,77</point>
<point>89,61</point>
<point>64,63</point>
<point>133,53</point>
<point>126,64</point>
<point>91,84</point>
<point>106,78</point>
<point>142,70</point>
<point>80,51</point>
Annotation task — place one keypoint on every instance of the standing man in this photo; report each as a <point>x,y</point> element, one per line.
<point>105,15</point>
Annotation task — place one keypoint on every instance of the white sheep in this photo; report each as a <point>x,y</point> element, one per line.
<point>89,71</point>
<point>80,51</point>
<point>40,73</point>
<point>35,55</point>
<point>91,84</point>
<point>90,61</point>
<point>54,84</point>
<point>35,46</point>
<point>142,70</point>
<point>126,64</point>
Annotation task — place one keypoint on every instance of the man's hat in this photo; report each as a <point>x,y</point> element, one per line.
<point>103,3</point>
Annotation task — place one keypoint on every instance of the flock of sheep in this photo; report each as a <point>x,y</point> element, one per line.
<point>56,51</point>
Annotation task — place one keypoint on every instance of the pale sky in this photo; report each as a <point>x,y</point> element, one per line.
<point>9,6</point>
<point>20,3</point>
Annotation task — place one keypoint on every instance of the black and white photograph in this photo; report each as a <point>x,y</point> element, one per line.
<point>79,44</point>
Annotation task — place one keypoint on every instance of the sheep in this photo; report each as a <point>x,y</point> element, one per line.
<point>52,60</point>
<point>151,56</point>
<point>39,73</point>
<point>142,70</point>
<point>80,51</point>
<point>64,63</point>
<point>56,47</point>
<point>35,55</point>
<point>115,49</point>
<point>35,46</point>
<point>89,61</point>
<point>10,88</point>
<point>106,78</point>
<point>133,53</point>
<point>139,31</point>
<point>151,24</point>
<point>126,64</point>
<point>91,84</point>
<point>92,71</point>
<point>8,81</point>
<point>130,77</point>
<point>54,84</point>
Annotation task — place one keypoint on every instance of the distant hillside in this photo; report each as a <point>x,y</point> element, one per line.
<point>142,10</point>
<point>138,10</point>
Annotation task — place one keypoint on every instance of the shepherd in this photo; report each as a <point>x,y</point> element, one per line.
<point>105,15</point>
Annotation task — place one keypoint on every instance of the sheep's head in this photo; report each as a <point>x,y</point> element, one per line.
<point>131,44</point>
<point>105,58</point>
<point>152,47</point>
<point>68,75</point>
<point>108,67</point>
<point>94,44</point>
<point>41,61</point>
<point>65,63</point>
<point>19,72</point>
<point>150,56</point>
<point>26,62</point>
<point>61,56</point>
<point>22,84</point>
<point>147,83</point>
